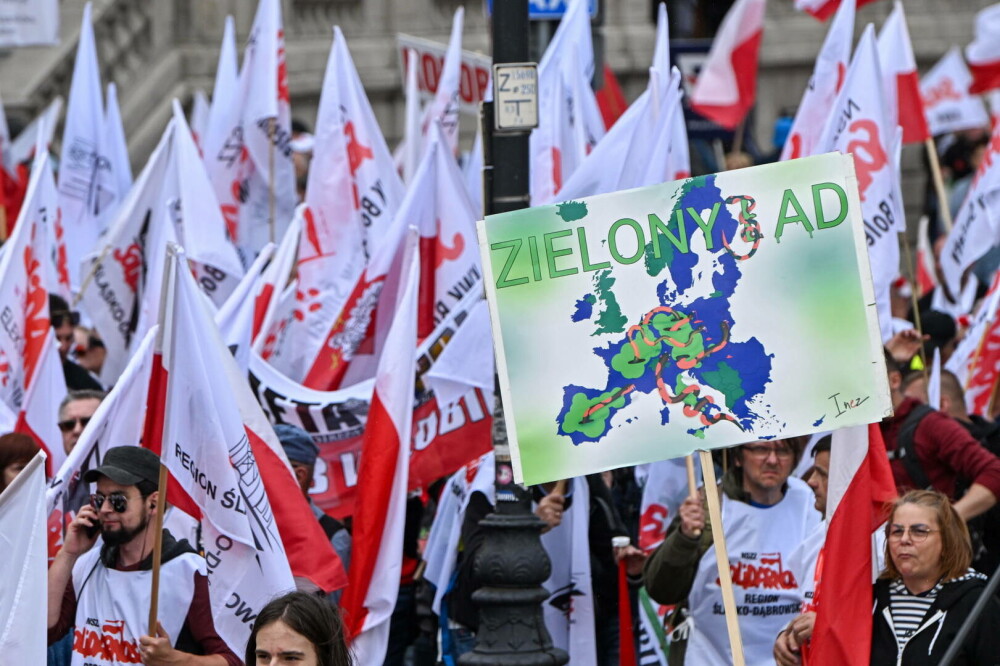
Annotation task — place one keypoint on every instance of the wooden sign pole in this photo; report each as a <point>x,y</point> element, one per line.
<point>722,558</point>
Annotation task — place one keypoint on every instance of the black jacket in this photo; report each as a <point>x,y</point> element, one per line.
<point>938,628</point>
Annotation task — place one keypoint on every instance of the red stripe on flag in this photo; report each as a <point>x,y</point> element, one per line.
<point>827,10</point>
<point>843,630</point>
<point>984,77</point>
<point>610,99</point>
<point>310,554</point>
<point>152,433</point>
<point>744,63</point>
<point>379,455</point>
<point>911,108</point>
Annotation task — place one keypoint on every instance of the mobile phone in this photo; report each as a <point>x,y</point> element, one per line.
<point>93,530</point>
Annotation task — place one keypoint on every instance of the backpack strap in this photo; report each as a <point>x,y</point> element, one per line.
<point>906,449</point>
<point>330,525</point>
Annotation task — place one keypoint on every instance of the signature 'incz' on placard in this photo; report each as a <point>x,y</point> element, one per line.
<point>844,406</point>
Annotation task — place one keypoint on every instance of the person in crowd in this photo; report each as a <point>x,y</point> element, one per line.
<point>766,514</point>
<point>63,320</point>
<point>302,453</point>
<point>88,350</point>
<point>552,503</point>
<point>298,628</point>
<point>927,589</point>
<point>16,451</point>
<point>75,412</point>
<point>943,452</point>
<point>103,593</point>
<point>803,560</point>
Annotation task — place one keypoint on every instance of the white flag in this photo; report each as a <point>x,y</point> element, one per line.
<point>82,156</point>
<point>945,91</point>
<point>31,377</point>
<point>267,133</point>
<point>203,430</point>
<point>23,611</point>
<point>352,197</point>
<point>23,145</point>
<point>444,108</point>
<point>858,124</point>
<point>200,108</point>
<point>112,183</point>
<point>569,120</point>
<point>821,91</point>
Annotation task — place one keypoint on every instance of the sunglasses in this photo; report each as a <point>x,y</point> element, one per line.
<point>118,501</point>
<point>69,424</point>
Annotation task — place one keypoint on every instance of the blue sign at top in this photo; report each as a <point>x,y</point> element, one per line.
<point>546,9</point>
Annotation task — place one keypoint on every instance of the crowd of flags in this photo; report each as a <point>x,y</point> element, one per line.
<point>206,266</point>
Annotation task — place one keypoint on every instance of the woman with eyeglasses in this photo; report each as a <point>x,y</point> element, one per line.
<point>927,589</point>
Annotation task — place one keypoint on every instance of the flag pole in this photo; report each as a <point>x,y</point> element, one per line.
<point>90,276</point>
<point>912,279</point>
<point>272,125</point>
<point>722,557</point>
<point>157,388</point>
<point>943,209</point>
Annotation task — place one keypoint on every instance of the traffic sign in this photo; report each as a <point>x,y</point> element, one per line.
<point>515,96</point>
<point>545,9</point>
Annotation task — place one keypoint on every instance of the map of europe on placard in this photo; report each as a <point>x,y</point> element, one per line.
<point>721,309</point>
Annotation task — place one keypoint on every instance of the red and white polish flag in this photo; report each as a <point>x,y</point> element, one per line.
<point>861,486</point>
<point>827,79</point>
<point>900,79</point>
<point>212,437</point>
<point>377,548</point>
<point>727,84</point>
<point>824,9</point>
<point>31,377</point>
<point>945,91</point>
<point>983,53</point>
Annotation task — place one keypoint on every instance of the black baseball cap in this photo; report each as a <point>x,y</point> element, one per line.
<point>127,465</point>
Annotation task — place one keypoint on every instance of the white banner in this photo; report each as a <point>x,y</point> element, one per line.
<point>28,23</point>
<point>474,75</point>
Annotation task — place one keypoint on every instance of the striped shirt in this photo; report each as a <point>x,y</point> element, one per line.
<point>909,610</point>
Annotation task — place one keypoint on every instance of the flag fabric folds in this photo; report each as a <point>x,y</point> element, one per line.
<point>900,79</point>
<point>983,53</point>
<point>945,91</point>
<point>860,488</point>
<point>377,547</point>
<point>23,561</point>
<point>827,79</point>
<point>727,84</point>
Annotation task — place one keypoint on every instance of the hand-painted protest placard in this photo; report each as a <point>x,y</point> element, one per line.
<point>642,325</point>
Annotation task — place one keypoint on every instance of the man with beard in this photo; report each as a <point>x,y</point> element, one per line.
<point>103,593</point>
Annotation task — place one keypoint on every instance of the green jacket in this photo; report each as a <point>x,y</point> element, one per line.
<point>669,572</point>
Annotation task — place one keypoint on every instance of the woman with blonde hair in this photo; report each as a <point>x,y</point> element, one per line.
<point>927,589</point>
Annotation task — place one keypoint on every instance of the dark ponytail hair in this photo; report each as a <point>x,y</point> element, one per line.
<point>312,617</point>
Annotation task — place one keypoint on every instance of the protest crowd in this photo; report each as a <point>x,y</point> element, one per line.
<point>247,399</point>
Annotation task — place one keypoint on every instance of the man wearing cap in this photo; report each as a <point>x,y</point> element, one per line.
<point>103,594</point>
<point>302,453</point>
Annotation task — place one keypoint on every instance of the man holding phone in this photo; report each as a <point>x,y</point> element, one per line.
<point>103,593</point>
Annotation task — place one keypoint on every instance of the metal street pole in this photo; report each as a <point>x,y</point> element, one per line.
<point>511,565</point>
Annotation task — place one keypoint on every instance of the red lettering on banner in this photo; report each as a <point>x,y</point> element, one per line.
<point>796,141</point>
<point>62,263</point>
<point>431,67</point>
<point>444,439</point>
<point>283,95</point>
<point>109,643</point>
<point>36,321</point>
<point>131,262</point>
<point>4,368</point>
<point>768,575</point>
<point>941,92</point>
<point>231,216</point>
<point>357,153</point>
<point>869,157</point>
<point>653,526</point>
